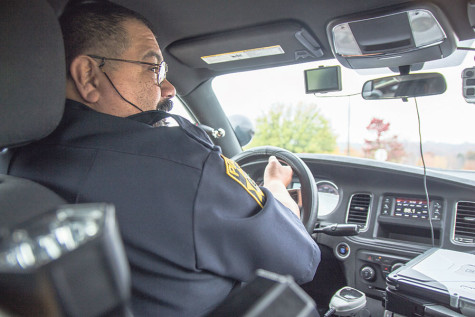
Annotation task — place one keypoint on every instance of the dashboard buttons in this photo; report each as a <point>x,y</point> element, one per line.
<point>368,273</point>
<point>411,208</point>
<point>342,250</point>
<point>382,264</point>
<point>387,206</point>
<point>386,269</point>
<point>436,210</point>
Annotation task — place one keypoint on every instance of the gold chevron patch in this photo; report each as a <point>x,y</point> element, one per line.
<point>237,173</point>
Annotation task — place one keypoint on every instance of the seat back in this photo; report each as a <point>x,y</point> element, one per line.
<point>33,78</point>
<point>88,277</point>
<point>32,94</point>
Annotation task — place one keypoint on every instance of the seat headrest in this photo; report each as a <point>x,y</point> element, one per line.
<point>33,72</point>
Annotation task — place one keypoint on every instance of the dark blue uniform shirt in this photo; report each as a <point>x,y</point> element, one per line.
<point>193,225</point>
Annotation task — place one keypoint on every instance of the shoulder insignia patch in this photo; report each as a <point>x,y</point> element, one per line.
<point>237,173</point>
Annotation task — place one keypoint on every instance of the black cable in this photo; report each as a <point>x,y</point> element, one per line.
<point>349,95</point>
<point>330,312</point>
<point>136,107</point>
<point>425,175</point>
<point>103,62</point>
<point>466,48</point>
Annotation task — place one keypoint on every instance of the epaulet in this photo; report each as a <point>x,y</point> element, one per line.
<point>193,131</point>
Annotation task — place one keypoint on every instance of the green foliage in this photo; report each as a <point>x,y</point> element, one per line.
<point>298,128</point>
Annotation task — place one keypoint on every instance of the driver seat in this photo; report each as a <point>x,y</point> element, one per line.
<point>32,94</point>
<point>91,277</point>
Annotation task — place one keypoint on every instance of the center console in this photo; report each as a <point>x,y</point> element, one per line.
<point>402,220</point>
<point>373,268</point>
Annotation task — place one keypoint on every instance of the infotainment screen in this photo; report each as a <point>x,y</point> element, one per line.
<point>411,208</point>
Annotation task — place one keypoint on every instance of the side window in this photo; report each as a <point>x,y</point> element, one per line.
<point>180,109</point>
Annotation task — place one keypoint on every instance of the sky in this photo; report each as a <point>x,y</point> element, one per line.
<point>445,118</point>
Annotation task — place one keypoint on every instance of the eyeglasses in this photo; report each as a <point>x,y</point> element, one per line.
<point>160,70</point>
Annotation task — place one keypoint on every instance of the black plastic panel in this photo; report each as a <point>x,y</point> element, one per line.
<point>393,33</point>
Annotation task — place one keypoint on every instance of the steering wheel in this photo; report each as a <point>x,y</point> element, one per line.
<point>308,189</point>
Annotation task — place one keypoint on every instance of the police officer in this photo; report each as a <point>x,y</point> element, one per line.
<point>194,225</point>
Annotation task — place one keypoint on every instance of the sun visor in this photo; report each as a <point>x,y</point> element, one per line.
<point>271,44</point>
<point>406,36</point>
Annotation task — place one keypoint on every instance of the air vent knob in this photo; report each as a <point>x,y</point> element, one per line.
<point>368,273</point>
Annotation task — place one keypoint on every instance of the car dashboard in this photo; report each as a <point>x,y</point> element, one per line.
<point>389,204</point>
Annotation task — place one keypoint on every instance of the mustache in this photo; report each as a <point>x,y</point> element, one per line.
<point>165,105</point>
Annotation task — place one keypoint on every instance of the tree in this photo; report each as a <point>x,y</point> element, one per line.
<point>298,128</point>
<point>394,149</point>
<point>469,163</point>
<point>470,155</point>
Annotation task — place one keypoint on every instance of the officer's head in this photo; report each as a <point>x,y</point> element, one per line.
<point>114,63</point>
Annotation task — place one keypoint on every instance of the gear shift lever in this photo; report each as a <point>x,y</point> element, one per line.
<point>347,301</point>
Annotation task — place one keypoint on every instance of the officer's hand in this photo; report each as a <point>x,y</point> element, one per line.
<point>276,179</point>
<point>276,172</point>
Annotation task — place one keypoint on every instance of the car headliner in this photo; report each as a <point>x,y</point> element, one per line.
<point>188,19</point>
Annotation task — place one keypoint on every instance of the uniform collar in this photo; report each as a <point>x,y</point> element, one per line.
<point>148,117</point>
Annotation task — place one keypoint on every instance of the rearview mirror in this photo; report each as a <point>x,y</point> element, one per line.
<point>404,86</point>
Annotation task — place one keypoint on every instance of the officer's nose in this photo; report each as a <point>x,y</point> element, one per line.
<point>167,90</point>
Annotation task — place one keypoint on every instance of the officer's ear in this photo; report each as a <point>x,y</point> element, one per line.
<point>86,77</point>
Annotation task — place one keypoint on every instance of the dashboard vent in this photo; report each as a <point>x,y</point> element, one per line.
<point>464,231</point>
<point>359,210</point>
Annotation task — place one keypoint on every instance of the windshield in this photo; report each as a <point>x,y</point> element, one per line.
<point>343,123</point>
